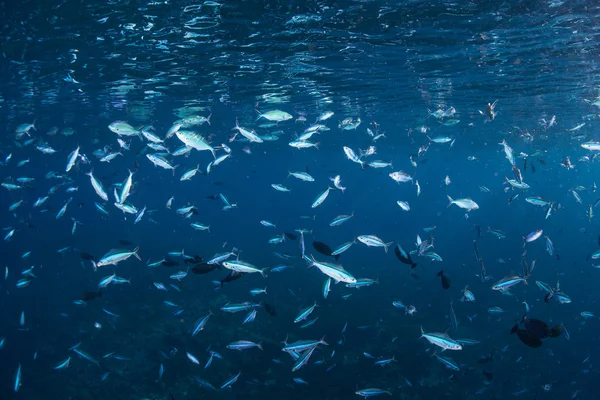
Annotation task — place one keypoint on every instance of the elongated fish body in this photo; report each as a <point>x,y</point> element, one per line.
<point>63,210</point>
<point>243,345</point>
<point>340,219</point>
<point>97,185</point>
<point>441,340</point>
<point>373,241</point>
<point>126,188</point>
<point>242,266</point>
<point>305,313</point>
<point>321,198</point>
<point>508,282</point>
<point>326,287</point>
<point>114,257</point>
<point>195,141</point>
<point>537,201</point>
<point>533,236</point>
<point>200,323</point>
<point>160,161</point>
<point>250,135</point>
<point>274,115</point>
<point>593,146</point>
<point>303,345</point>
<point>303,176</point>
<point>466,204</point>
<point>342,248</point>
<point>122,128</point>
<point>372,392</point>
<point>72,159</point>
<point>189,174</point>
<point>303,359</point>
<point>334,271</point>
<point>126,208</point>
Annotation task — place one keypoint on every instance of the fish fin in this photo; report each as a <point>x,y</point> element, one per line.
<point>450,200</point>
<point>135,253</point>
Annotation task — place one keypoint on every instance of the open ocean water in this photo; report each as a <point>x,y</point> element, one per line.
<point>438,159</point>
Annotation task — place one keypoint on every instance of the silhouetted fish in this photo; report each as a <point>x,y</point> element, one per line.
<point>201,269</point>
<point>170,263</point>
<point>233,275</point>
<point>270,309</point>
<point>87,256</point>
<point>290,236</point>
<point>87,296</point>
<point>193,260</point>
<point>125,242</point>
<point>445,279</point>
<point>404,257</point>
<point>324,249</point>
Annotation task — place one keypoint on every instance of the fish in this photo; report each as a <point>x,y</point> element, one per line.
<point>403,256</point>
<point>445,279</point>
<point>466,204</point>
<point>325,250</point>
<point>115,256</point>
<point>441,340</point>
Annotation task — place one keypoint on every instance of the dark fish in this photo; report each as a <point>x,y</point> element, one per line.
<point>324,249</point>
<point>445,279</point>
<point>290,236</point>
<point>556,331</point>
<point>270,309</point>
<point>404,257</point>
<point>170,263</point>
<point>524,163</point>
<point>200,269</point>
<point>212,196</point>
<point>193,260</point>
<point>125,242</point>
<point>532,168</point>
<point>542,161</point>
<point>536,327</point>
<point>423,161</point>
<point>81,204</point>
<point>87,296</point>
<point>87,256</point>
<point>233,275</point>
<point>478,231</point>
<point>487,359</point>
<point>528,339</point>
<point>488,375</point>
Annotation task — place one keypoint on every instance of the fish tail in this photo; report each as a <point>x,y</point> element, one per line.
<point>385,247</point>
<point>450,200</point>
<point>135,253</point>
<point>208,118</point>
<point>441,273</point>
<point>322,341</point>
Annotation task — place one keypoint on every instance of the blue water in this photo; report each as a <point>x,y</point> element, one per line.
<point>83,65</point>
